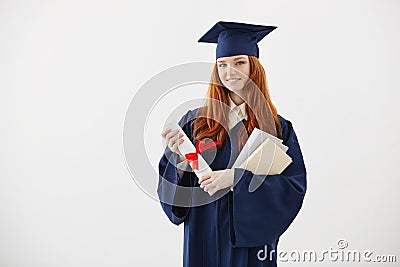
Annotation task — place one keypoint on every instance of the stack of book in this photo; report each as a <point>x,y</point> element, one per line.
<point>263,154</point>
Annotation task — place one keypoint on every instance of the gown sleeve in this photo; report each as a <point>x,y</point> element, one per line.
<point>170,178</point>
<point>260,217</point>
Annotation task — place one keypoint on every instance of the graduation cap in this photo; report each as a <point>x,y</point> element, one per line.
<point>234,38</point>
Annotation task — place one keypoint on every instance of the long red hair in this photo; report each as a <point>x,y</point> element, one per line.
<point>206,124</point>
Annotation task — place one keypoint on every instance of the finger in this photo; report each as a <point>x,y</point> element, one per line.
<point>180,138</point>
<point>202,178</point>
<point>209,187</point>
<point>179,142</point>
<point>171,133</point>
<point>205,177</point>
<point>173,140</point>
<point>165,132</point>
<point>212,192</point>
<point>175,148</point>
<point>206,182</point>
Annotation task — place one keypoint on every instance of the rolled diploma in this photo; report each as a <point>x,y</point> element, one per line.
<point>187,147</point>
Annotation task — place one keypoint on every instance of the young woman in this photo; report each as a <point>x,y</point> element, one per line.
<point>238,226</point>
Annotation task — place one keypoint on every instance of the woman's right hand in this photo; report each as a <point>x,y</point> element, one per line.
<point>173,140</point>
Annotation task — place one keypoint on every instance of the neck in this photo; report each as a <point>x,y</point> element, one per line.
<point>235,98</point>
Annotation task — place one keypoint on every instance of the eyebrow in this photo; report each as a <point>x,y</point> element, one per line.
<point>221,61</point>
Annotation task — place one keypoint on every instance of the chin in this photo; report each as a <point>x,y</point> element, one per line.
<point>235,89</point>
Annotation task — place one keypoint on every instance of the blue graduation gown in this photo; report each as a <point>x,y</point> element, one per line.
<point>232,230</point>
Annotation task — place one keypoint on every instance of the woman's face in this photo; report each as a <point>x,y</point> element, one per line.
<point>234,71</point>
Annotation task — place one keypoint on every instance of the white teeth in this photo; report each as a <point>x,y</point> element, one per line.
<point>234,79</point>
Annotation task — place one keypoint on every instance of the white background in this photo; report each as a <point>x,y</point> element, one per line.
<point>68,70</point>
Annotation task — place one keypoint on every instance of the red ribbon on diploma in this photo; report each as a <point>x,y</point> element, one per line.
<point>200,147</point>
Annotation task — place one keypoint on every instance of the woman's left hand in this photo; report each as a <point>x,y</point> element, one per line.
<point>217,180</point>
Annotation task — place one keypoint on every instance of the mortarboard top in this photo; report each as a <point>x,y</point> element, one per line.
<point>234,38</point>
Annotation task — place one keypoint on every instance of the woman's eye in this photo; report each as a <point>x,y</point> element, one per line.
<point>240,62</point>
<point>222,65</point>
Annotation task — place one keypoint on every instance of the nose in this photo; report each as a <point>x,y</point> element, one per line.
<point>231,71</point>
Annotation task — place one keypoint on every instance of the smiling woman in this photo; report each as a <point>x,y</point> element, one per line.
<point>235,224</point>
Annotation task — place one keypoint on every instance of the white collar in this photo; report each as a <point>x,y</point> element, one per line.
<point>242,106</point>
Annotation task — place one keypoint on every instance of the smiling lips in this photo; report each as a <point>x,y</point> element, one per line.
<point>233,79</point>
